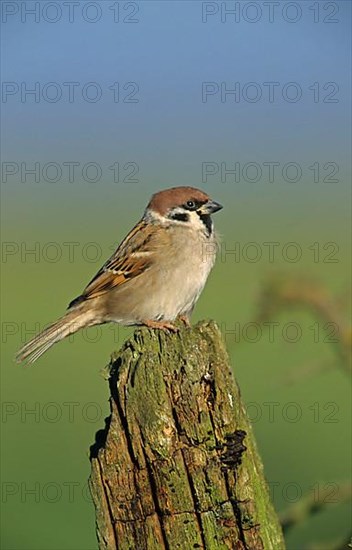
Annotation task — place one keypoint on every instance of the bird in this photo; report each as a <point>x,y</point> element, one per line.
<point>155,275</point>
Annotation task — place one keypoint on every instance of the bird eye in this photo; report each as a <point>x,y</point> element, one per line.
<point>190,204</point>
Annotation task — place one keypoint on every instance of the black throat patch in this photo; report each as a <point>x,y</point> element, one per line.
<point>206,219</point>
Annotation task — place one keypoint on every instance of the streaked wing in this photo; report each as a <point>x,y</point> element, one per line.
<point>131,258</point>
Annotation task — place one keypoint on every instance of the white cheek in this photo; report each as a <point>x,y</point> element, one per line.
<point>196,222</point>
<point>194,219</point>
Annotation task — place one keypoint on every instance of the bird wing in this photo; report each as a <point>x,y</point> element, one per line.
<point>132,257</point>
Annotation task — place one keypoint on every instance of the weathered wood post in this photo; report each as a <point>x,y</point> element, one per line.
<point>177,466</point>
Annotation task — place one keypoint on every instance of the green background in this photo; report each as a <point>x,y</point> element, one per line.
<point>169,133</point>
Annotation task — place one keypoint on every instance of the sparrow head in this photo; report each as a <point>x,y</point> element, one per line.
<point>185,206</point>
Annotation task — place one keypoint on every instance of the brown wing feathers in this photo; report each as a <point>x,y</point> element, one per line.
<point>130,259</point>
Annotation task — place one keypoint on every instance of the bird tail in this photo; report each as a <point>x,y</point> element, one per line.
<point>66,325</point>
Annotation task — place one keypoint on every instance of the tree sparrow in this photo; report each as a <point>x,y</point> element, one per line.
<point>155,275</point>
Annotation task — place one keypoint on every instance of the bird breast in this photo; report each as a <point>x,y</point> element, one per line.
<point>172,284</point>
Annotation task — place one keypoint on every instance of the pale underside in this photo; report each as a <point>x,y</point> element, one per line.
<point>157,279</point>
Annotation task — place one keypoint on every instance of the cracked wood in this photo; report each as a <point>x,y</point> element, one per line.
<point>176,466</point>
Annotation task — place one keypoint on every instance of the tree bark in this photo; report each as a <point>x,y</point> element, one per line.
<point>177,466</point>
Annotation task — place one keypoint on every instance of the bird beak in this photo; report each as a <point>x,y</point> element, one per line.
<point>210,207</point>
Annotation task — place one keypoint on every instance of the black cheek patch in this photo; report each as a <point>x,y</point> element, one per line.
<point>180,217</point>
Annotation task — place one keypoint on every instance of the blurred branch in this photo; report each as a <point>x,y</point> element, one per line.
<point>280,293</point>
<point>343,543</point>
<point>311,504</point>
<point>308,370</point>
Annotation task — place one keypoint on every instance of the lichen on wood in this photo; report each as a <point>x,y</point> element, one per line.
<point>177,466</point>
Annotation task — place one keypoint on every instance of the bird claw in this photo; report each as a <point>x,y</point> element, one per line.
<point>161,325</point>
<point>185,320</point>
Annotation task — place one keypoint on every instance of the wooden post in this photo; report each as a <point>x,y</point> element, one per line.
<point>177,466</point>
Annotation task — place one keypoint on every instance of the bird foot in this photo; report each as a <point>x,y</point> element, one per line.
<point>162,325</point>
<point>185,320</point>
